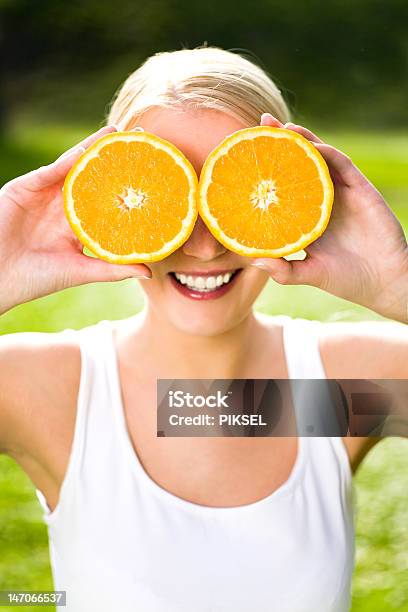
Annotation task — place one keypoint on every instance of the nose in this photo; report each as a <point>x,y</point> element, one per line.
<point>201,244</point>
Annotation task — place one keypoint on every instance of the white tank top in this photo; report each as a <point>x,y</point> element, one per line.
<point>119,541</point>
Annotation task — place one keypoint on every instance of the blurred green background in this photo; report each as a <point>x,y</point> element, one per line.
<point>343,67</point>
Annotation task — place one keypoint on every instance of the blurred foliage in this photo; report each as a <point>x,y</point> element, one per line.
<point>24,556</point>
<point>379,582</point>
<point>343,61</point>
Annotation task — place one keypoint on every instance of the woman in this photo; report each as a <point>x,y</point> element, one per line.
<point>140,522</point>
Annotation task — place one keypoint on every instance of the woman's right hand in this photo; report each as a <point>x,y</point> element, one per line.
<point>39,253</point>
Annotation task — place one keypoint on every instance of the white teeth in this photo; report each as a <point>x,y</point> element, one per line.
<point>200,283</point>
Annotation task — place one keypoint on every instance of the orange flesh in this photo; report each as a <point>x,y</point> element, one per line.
<point>296,186</point>
<point>99,198</point>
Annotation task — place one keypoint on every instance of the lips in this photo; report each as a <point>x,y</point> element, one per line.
<point>204,285</point>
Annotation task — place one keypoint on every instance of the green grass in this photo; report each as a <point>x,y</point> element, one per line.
<point>381,482</point>
<point>382,529</point>
<point>24,561</point>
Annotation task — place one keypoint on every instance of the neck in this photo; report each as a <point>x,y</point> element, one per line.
<point>173,353</point>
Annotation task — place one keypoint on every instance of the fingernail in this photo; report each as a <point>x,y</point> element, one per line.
<point>137,129</point>
<point>107,127</point>
<point>144,277</point>
<point>259,264</point>
<point>73,153</point>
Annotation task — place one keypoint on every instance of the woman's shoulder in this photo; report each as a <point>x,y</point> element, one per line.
<point>360,349</point>
<point>353,349</point>
<point>364,349</point>
<point>34,355</point>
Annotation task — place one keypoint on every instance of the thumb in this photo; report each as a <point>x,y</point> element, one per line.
<point>270,120</point>
<point>92,270</point>
<point>308,271</point>
<point>46,176</point>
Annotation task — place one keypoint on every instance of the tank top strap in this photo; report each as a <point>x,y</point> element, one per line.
<point>96,401</point>
<point>301,345</point>
<point>316,413</point>
<point>94,439</point>
<point>315,410</point>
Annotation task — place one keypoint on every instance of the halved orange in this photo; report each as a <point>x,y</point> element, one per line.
<point>265,192</point>
<point>131,197</point>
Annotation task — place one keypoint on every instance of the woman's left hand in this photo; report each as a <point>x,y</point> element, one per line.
<point>363,255</point>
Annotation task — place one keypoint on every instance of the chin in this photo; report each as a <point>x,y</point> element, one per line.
<point>204,322</point>
<point>206,304</point>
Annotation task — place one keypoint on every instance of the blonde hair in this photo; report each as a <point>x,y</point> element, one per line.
<point>205,77</point>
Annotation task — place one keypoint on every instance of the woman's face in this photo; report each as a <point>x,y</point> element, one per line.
<point>203,310</point>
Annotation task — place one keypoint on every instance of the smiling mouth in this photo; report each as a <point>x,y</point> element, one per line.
<point>204,282</point>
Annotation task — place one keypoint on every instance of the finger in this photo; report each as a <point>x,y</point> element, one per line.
<point>342,166</point>
<point>107,129</point>
<point>270,120</point>
<point>54,173</point>
<point>93,270</point>
<point>303,131</point>
<point>304,272</point>
<point>46,176</point>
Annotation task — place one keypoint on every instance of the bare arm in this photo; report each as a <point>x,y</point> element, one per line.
<point>39,378</point>
<point>365,350</point>
<point>39,384</point>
